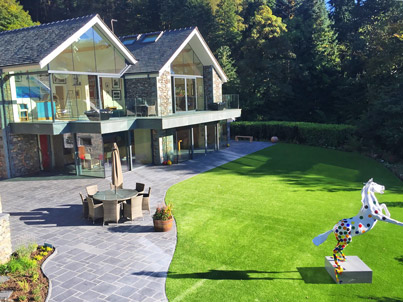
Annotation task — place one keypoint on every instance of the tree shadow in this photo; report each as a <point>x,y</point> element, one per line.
<point>399,259</point>
<point>220,275</point>
<point>381,299</point>
<point>394,204</point>
<point>315,275</point>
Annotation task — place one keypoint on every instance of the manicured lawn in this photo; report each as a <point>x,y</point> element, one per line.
<point>245,229</point>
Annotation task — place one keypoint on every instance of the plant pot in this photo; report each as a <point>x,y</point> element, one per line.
<point>163,225</point>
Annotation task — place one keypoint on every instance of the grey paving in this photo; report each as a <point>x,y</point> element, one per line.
<point>124,262</point>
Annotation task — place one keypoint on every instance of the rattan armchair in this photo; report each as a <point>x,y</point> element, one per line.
<point>91,190</point>
<point>111,211</point>
<point>140,187</point>
<point>85,206</point>
<point>133,207</point>
<point>95,211</point>
<point>146,201</point>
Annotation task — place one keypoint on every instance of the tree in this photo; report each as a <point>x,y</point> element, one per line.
<point>228,65</point>
<point>13,16</point>
<point>228,25</point>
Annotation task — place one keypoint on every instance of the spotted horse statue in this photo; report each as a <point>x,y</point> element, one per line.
<point>364,221</point>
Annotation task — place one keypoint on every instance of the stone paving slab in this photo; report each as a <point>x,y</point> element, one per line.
<point>123,262</point>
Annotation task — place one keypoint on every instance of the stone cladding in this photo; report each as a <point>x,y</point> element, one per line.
<point>5,238</point>
<point>212,85</point>
<point>24,155</point>
<point>164,93</point>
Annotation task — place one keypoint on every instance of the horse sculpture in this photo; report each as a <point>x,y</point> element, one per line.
<point>364,221</point>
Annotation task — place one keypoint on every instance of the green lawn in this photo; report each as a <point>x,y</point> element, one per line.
<point>245,229</point>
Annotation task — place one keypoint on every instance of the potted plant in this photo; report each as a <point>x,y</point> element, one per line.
<point>163,218</point>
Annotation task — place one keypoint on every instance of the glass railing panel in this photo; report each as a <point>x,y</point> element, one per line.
<point>141,107</point>
<point>230,101</point>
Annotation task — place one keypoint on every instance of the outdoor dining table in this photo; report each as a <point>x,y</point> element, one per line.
<point>120,195</point>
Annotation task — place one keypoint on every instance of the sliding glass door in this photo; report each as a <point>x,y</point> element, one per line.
<point>185,94</point>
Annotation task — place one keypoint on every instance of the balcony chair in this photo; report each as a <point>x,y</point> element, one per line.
<point>95,211</point>
<point>133,208</point>
<point>85,206</point>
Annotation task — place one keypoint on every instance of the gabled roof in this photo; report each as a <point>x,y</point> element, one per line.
<point>154,56</point>
<point>40,44</point>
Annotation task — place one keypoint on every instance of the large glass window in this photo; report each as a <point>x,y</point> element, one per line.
<point>187,63</point>
<point>92,52</point>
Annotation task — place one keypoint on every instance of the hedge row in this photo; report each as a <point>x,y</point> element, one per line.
<point>325,135</point>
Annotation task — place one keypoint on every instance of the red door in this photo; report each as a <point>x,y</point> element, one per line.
<point>45,152</point>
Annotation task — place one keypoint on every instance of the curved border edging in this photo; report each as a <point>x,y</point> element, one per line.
<point>42,269</point>
<point>176,242</point>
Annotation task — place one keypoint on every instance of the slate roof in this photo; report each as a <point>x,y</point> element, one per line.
<point>151,57</point>
<point>31,44</point>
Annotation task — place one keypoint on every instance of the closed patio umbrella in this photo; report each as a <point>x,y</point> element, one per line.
<point>117,176</point>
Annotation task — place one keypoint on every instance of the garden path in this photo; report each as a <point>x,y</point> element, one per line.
<point>95,263</point>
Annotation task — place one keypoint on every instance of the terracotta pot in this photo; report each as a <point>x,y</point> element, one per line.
<point>163,225</point>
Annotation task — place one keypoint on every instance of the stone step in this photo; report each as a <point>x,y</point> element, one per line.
<point>354,270</point>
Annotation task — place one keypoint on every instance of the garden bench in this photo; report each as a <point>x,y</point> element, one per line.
<point>244,136</point>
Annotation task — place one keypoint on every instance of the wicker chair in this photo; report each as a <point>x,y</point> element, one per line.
<point>133,208</point>
<point>85,206</point>
<point>146,201</point>
<point>117,187</point>
<point>91,190</point>
<point>111,211</point>
<point>95,211</point>
<point>140,187</point>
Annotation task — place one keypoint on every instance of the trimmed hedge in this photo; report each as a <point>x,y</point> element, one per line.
<point>325,135</point>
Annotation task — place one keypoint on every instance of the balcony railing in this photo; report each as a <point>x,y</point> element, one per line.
<point>30,110</point>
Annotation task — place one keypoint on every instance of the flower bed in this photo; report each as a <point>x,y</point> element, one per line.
<point>27,280</point>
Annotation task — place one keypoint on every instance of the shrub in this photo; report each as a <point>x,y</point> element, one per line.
<point>325,135</point>
<point>163,213</point>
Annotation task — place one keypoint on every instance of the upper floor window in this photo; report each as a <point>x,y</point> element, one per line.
<point>92,52</point>
<point>187,63</point>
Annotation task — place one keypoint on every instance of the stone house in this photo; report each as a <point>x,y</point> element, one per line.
<point>70,89</point>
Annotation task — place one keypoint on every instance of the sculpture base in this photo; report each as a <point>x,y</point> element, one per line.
<point>354,270</point>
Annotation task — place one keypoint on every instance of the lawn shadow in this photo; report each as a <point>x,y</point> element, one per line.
<point>399,259</point>
<point>381,299</point>
<point>220,275</point>
<point>394,204</point>
<point>315,275</point>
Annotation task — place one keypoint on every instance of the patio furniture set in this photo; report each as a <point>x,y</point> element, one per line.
<point>116,203</point>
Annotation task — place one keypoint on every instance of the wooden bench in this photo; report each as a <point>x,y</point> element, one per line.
<point>250,138</point>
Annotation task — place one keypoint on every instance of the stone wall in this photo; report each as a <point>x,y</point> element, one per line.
<point>5,238</point>
<point>3,165</point>
<point>212,85</point>
<point>24,154</point>
<point>145,88</point>
<point>164,88</point>
<point>163,146</point>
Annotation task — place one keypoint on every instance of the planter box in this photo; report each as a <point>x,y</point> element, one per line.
<point>216,106</point>
<point>163,225</point>
<point>102,115</point>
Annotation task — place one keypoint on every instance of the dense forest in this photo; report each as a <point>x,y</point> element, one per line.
<point>293,60</point>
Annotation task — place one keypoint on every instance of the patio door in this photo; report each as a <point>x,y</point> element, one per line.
<point>44,148</point>
<point>185,94</point>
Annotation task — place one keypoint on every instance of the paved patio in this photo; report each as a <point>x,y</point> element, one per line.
<point>95,263</point>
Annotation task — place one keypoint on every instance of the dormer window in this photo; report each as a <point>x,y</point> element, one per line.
<point>129,41</point>
<point>150,38</point>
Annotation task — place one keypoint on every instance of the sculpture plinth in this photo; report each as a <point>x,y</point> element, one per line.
<point>354,270</point>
